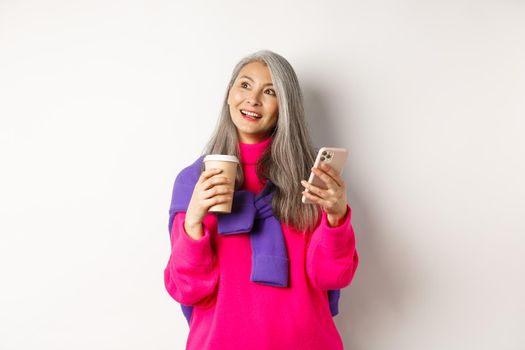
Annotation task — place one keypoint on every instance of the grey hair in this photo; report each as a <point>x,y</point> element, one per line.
<point>291,154</point>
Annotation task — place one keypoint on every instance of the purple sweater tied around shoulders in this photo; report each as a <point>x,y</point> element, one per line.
<point>250,213</point>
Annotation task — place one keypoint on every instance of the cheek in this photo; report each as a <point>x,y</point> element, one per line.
<point>275,109</point>
<point>274,122</point>
<point>235,97</point>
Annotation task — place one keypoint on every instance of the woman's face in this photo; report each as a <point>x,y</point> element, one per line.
<point>252,91</point>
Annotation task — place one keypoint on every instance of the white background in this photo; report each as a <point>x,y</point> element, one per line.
<point>103,102</point>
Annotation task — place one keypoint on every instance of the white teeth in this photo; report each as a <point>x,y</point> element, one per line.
<point>250,113</point>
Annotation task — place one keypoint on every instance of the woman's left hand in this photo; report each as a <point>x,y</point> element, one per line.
<point>333,199</point>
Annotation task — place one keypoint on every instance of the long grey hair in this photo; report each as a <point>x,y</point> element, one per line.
<point>291,154</point>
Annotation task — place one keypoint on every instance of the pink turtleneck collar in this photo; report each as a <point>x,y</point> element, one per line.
<point>251,152</point>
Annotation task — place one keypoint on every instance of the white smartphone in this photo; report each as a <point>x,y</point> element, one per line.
<point>335,157</point>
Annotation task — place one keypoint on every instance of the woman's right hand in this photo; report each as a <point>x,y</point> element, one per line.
<point>206,194</point>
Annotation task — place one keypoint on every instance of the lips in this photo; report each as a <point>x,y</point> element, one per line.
<point>250,118</point>
<point>250,114</point>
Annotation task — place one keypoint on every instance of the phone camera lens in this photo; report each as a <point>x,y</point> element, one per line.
<point>324,153</point>
<point>322,158</point>
<point>328,156</point>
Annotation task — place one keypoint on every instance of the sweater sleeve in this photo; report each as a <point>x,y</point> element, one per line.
<point>192,273</point>
<point>332,256</point>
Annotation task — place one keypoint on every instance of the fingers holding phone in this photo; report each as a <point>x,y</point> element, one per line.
<point>325,186</point>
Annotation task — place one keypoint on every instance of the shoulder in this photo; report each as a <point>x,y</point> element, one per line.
<point>190,173</point>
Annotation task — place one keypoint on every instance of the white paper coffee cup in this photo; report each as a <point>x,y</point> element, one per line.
<point>228,164</point>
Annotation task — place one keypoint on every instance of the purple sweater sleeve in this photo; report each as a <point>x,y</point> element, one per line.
<point>192,273</point>
<point>332,256</point>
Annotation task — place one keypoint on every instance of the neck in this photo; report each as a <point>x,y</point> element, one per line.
<point>252,139</point>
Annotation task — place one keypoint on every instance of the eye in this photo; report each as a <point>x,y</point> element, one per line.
<point>272,92</point>
<point>243,84</point>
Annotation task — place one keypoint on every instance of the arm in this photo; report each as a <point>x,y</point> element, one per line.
<point>192,273</point>
<point>331,258</point>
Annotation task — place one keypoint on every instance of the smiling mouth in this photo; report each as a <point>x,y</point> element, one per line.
<point>250,115</point>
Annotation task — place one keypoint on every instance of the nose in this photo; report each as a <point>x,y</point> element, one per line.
<point>253,98</point>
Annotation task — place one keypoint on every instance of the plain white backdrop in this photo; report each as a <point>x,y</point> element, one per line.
<point>103,102</point>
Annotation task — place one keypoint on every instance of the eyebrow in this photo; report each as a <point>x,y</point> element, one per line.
<point>247,77</point>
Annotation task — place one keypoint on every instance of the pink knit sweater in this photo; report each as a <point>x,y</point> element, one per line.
<point>231,312</point>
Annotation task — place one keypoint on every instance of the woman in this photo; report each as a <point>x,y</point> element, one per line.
<point>234,294</point>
